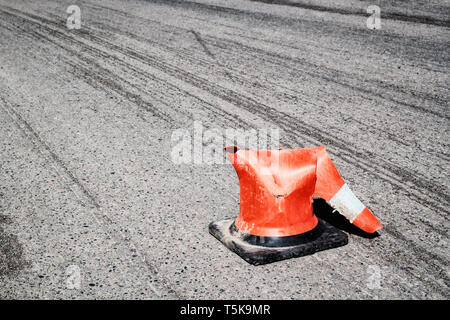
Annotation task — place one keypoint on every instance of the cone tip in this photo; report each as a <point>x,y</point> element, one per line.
<point>367,222</point>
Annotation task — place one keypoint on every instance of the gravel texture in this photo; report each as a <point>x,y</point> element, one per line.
<point>92,206</point>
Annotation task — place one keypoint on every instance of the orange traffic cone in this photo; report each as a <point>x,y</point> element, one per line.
<point>276,219</point>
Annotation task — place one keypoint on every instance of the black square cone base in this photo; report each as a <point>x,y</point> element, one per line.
<point>262,250</point>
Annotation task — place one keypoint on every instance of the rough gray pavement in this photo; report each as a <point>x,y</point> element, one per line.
<point>91,205</point>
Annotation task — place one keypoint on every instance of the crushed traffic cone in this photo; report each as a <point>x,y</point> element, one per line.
<point>276,219</point>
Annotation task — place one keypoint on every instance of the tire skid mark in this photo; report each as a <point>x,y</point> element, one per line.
<point>292,96</point>
<point>257,105</point>
<point>53,158</point>
<point>206,105</point>
<point>234,118</point>
<point>87,70</point>
<point>361,32</point>
<point>225,45</point>
<point>100,74</point>
<point>207,65</point>
<point>275,43</point>
<point>436,270</point>
<point>272,17</point>
<point>272,115</point>
<point>389,135</point>
<point>325,72</point>
<point>397,16</point>
<point>46,151</point>
<point>230,116</point>
<point>103,76</point>
<point>398,169</point>
<point>344,277</point>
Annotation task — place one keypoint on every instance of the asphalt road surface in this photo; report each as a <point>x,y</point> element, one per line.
<point>92,204</point>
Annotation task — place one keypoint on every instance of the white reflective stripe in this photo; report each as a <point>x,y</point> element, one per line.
<point>347,203</point>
